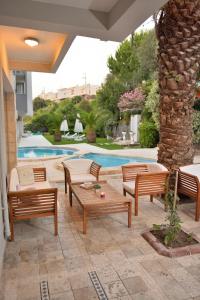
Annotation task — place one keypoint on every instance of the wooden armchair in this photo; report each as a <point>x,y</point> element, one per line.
<point>32,201</point>
<point>80,170</point>
<point>189,185</point>
<point>138,181</point>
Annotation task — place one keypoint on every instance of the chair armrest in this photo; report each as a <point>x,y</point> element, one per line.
<point>39,174</point>
<point>67,174</point>
<point>95,169</point>
<point>130,172</point>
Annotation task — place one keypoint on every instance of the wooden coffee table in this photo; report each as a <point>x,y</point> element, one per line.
<point>93,205</point>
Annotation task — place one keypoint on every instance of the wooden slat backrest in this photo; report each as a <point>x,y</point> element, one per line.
<point>39,174</point>
<point>34,202</point>
<point>151,183</point>
<point>94,169</point>
<point>130,172</point>
<point>188,184</point>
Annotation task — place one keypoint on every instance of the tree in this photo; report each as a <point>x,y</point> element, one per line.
<point>152,102</point>
<point>39,103</point>
<point>147,56</point>
<point>124,63</point>
<point>178,35</point>
<point>108,95</point>
<point>85,105</point>
<point>90,120</point>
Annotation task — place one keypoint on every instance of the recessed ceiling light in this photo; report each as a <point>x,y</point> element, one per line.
<point>32,42</point>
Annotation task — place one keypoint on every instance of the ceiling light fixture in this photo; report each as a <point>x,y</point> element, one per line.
<point>32,42</point>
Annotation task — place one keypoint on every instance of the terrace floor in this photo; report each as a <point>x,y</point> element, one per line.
<point>127,267</point>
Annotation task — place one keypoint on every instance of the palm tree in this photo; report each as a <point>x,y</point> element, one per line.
<point>90,120</point>
<point>178,32</point>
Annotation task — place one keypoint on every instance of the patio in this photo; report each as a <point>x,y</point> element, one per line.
<point>127,267</point>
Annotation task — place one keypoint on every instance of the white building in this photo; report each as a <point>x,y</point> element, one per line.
<point>84,90</point>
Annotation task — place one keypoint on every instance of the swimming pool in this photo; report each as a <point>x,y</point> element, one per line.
<point>115,161</point>
<point>34,152</point>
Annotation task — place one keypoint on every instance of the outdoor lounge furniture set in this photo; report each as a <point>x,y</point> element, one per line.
<point>31,196</point>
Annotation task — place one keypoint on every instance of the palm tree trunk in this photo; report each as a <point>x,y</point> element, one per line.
<point>178,31</point>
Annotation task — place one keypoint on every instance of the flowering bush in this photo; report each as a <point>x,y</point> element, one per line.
<point>132,100</point>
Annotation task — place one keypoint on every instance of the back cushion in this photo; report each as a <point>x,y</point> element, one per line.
<point>25,175</point>
<point>14,180</point>
<point>192,169</point>
<point>78,166</point>
<point>156,167</point>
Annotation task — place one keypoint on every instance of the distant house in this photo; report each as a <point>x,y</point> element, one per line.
<point>24,105</point>
<point>85,91</point>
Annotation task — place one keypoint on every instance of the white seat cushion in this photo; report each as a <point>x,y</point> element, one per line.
<point>78,166</point>
<point>25,174</point>
<point>34,186</point>
<point>129,186</point>
<point>82,178</point>
<point>192,170</point>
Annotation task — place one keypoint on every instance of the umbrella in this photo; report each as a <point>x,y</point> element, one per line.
<point>132,124</point>
<point>64,126</point>
<point>78,126</point>
<point>132,128</point>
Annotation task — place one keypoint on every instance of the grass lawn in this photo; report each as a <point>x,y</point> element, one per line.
<point>100,142</point>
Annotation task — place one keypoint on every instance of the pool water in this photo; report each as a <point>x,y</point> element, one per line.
<point>115,161</point>
<point>33,152</point>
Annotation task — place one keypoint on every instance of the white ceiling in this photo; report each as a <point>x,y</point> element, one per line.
<point>17,49</point>
<point>103,5</point>
<point>110,20</point>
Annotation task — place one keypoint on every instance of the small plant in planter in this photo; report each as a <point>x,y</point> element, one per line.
<point>169,239</point>
<point>57,136</point>
<point>90,120</point>
<point>171,230</point>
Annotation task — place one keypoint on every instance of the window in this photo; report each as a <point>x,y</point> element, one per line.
<point>20,88</point>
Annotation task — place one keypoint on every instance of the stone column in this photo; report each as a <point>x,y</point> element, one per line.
<point>10,112</point>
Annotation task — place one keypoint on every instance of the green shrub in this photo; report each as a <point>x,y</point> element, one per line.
<point>196,127</point>
<point>149,136</point>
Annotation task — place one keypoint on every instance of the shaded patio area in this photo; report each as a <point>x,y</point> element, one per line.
<point>127,267</point>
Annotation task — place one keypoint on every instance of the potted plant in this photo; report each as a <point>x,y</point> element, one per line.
<point>90,120</point>
<point>169,239</point>
<point>57,122</point>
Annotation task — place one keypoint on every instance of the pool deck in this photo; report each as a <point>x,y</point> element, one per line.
<point>34,141</point>
<point>41,141</point>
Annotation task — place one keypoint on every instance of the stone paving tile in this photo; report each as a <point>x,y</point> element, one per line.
<point>87,293</point>
<point>58,283</point>
<point>115,289</point>
<point>63,296</point>
<point>135,285</point>
<point>107,274</point>
<point>127,266</point>
<point>80,280</point>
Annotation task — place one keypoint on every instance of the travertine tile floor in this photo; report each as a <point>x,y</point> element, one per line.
<point>127,266</point>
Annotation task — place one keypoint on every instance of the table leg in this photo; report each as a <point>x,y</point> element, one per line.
<point>84,221</point>
<point>70,195</point>
<point>129,214</point>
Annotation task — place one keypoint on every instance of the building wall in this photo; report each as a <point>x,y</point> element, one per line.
<point>71,92</point>
<point>24,104</point>
<point>7,142</point>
